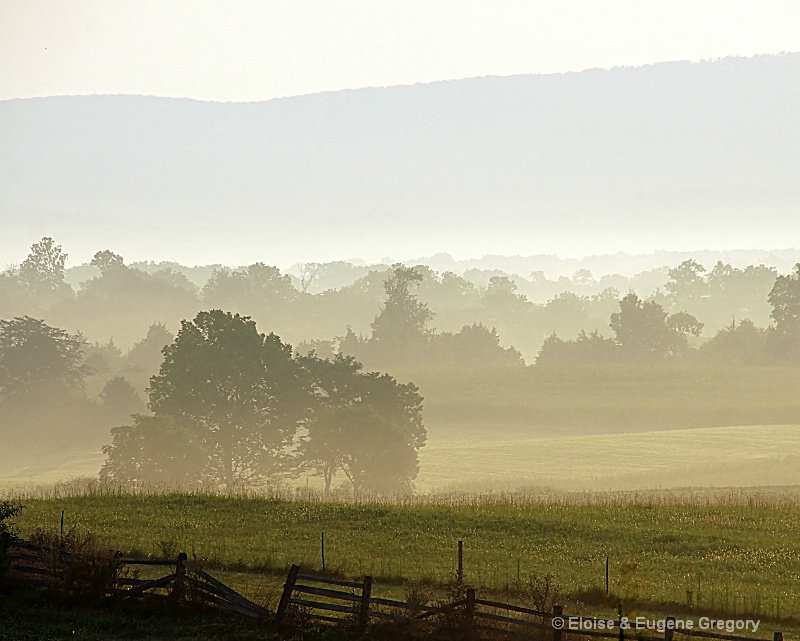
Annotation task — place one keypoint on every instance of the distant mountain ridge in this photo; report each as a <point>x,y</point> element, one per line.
<point>669,156</point>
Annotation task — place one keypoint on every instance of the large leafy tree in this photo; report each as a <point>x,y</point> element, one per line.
<point>36,358</point>
<point>365,425</point>
<point>645,332</point>
<point>240,393</point>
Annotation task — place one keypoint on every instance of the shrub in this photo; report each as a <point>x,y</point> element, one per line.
<point>89,570</point>
<point>8,511</point>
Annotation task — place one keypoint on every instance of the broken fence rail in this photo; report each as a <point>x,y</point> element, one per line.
<point>41,566</point>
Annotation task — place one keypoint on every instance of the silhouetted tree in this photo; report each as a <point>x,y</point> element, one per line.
<point>783,341</point>
<point>582,278</point>
<point>368,426</point>
<point>240,392</point>
<point>308,274</point>
<point>737,344</point>
<point>256,286</point>
<point>106,259</point>
<point>644,331</point>
<point>352,345</point>
<point>502,303</point>
<point>43,270</point>
<point>686,285</point>
<point>38,359</point>
<point>403,322</point>
<point>103,359</point>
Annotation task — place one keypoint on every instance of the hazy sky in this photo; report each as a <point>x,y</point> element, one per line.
<point>255,50</point>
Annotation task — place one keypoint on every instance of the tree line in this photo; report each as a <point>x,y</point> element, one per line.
<point>121,302</point>
<point>230,406</point>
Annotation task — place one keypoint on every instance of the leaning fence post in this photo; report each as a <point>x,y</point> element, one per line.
<point>557,621</point>
<point>180,575</point>
<point>288,588</point>
<point>366,593</point>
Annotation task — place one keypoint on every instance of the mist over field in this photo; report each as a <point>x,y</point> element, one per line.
<point>684,375</point>
<point>597,286</point>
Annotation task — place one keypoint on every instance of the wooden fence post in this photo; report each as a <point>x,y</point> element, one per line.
<point>669,629</point>
<point>63,563</point>
<point>288,588</point>
<point>180,576</point>
<point>778,636</point>
<point>5,542</point>
<point>469,613</point>
<point>366,593</point>
<point>5,546</point>
<point>558,613</point>
<point>460,573</point>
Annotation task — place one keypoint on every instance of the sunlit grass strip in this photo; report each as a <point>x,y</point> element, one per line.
<point>788,496</point>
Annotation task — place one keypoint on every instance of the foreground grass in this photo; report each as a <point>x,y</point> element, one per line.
<point>27,617</point>
<point>734,552</point>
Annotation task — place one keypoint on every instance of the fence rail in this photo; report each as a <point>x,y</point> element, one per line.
<point>466,618</point>
<point>37,565</point>
<point>343,602</point>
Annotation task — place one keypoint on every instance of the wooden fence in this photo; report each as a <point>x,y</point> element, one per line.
<point>324,598</point>
<point>352,603</point>
<point>110,579</point>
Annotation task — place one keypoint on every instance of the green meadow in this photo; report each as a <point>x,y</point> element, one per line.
<point>729,551</point>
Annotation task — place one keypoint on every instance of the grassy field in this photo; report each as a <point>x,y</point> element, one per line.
<point>737,552</point>
<point>607,399</point>
<point>482,457</point>
<point>599,427</point>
